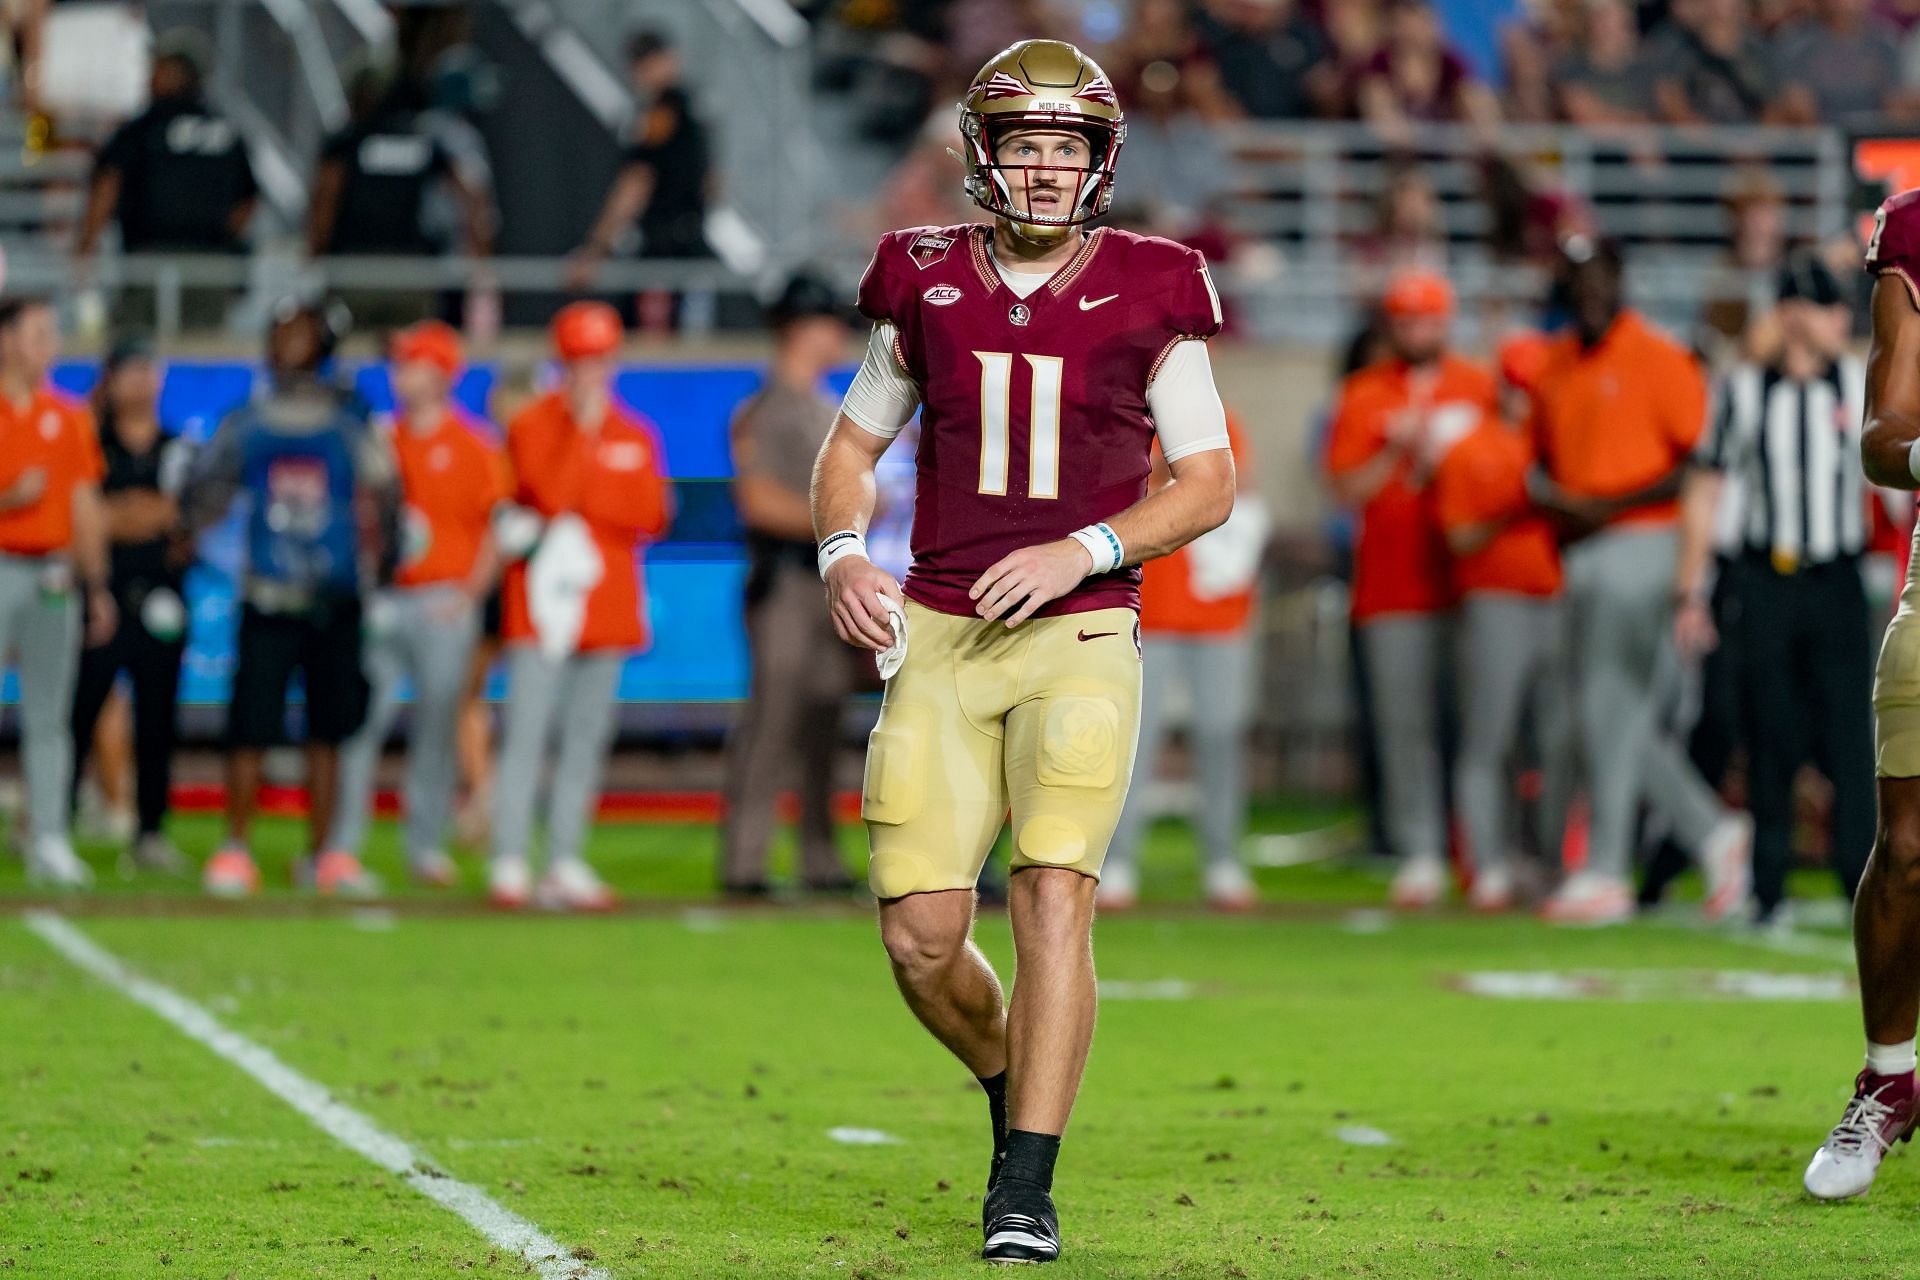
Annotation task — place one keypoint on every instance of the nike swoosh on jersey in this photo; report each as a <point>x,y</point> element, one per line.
<point>1088,304</point>
<point>1095,635</point>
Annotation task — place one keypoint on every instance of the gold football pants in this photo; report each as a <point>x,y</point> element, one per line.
<point>1041,719</point>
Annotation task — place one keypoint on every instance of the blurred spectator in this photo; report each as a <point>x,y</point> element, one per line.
<point>422,629</point>
<point>1620,409</point>
<point>462,87</point>
<point>1410,230</point>
<point>145,467</point>
<point>370,196</point>
<point>1196,625</point>
<point>1789,429</point>
<point>593,476</point>
<point>802,676</point>
<point>319,486</point>
<point>103,806</point>
<point>1162,33</point>
<point>1841,65</point>
<point>1605,79</point>
<point>1417,76</point>
<point>662,186</point>
<point>1534,44</point>
<point>1275,62</point>
<point>1511,645</point>
<point>1393,419</point>
<point>1176,167</point>
<point>53,572</point>
<point>1757,209</point>
<point>23,28</point>
<point>1714,67</point>
<point>175,179</point>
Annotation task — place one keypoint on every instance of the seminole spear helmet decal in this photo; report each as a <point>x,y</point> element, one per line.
<point>1041,84</point>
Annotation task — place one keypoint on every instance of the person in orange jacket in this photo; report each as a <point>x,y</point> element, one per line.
<point>1394,419</point>
<point>591,490</point>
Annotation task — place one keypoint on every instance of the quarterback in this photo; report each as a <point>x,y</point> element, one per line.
<point>1886,912</point>
<point>1044,359</point>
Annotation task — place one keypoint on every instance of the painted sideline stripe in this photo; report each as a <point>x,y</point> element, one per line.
<point>499,1224</point>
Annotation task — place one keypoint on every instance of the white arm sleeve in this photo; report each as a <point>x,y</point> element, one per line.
<point>883,398</point>
<point>1187,413</point>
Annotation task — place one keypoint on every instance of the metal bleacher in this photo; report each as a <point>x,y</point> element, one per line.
<point>1308,191</point>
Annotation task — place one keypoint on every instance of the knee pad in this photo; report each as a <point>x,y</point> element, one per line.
<point>1052,840</point>
<point>895,786</point>
<point>1079,743</point>
<point>894,874</point>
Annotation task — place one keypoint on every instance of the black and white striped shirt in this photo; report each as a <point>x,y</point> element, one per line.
<point>1791,454</point>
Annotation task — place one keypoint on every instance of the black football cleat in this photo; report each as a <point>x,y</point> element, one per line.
<point>1021,1225</point>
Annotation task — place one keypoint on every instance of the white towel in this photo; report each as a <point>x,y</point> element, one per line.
<point>1225,560</point>
<point>890,659</point>
<point>562,572</point>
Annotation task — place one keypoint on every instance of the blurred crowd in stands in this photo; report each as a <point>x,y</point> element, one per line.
<point>1391,62</point>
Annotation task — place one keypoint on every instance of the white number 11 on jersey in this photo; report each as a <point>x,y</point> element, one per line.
<point>1043,433</point>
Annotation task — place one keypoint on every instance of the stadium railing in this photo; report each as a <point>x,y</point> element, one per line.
<point>1310,191</point>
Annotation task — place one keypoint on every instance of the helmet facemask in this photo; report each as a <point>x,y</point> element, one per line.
<point>999,188</point>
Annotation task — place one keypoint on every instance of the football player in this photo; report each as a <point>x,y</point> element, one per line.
<point>1886,913</point>
<point>1044,359</point>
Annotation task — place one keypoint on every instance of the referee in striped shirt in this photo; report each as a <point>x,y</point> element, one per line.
<point>1786,437</point>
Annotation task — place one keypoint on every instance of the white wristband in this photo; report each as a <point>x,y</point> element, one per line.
<point>838,546</point>
<point>1913,459</point>
<point>1103,545</point>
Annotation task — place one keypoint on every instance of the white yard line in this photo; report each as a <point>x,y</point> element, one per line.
<point>499,1224</point>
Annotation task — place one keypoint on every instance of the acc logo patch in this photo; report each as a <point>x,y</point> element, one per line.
<point>49,426</point>
<point>943,295</point>
<point>929,249</point>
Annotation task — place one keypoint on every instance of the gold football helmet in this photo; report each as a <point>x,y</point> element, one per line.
<point>1040,84</point>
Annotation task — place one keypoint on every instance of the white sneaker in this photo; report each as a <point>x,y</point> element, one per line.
<point>52,862</point>
<point>509,883</point>
<point>571,885</point>
<point>1419,884</point>
<point>1492,890</point>
<point>1119,888</point>
<point>433,869</point>
<point>1229,887</point>
<point>1727,862</point>
<point>1590,898</point>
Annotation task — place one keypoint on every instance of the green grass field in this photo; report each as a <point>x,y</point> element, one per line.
<point>657,1089</point>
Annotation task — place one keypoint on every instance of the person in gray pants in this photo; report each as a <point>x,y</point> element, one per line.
<point>590,475</point>
<point>1620,409</point>
<point>453,474</point>
<point>1512,632</point>
<point>53,556</point>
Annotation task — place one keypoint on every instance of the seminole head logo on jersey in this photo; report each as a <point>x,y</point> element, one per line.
<point>1041,85</point>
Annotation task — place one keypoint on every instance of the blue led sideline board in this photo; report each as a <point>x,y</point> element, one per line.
<point>694,577</point>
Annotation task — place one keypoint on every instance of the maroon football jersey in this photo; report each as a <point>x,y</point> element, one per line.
<point>1895,247</point>
<point>1033,419</point>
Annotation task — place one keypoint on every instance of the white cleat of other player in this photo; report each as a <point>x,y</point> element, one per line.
<point>1880,1113</point>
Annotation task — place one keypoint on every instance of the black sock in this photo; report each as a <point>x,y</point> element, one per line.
<point>996,1087</point>
<point>1030,1157</point>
